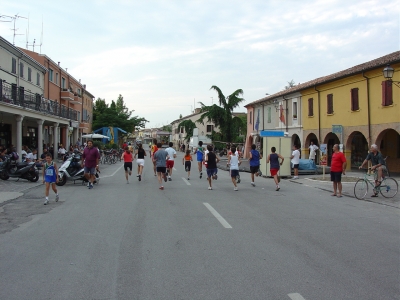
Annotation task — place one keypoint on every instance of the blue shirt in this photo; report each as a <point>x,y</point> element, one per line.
<point>255,158</point>
<point>50,173</point>
<point>199,153</point>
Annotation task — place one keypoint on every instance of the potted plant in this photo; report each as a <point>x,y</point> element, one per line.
<point>294,116</point>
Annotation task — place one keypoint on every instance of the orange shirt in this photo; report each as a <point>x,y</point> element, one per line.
<point>188,157</point>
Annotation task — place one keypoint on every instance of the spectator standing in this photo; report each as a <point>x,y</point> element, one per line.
<point>62,152</point>
<point>160,159</point>
<point>338,167</point>
<point>171,157</point>
<point>313,151</point>
<point>295,161</point>
<point>254,160</point>
<point>90,162</point>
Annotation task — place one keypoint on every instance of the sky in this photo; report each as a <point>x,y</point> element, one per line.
<point>164,56</point>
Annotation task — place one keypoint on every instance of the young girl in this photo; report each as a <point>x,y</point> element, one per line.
<point>50,176</point>
<point>140,160</point>
<point>127,157</point>
<point>187,162</point>
<point>234,162</point>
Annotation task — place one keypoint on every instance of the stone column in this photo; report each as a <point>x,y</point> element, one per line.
<point>75,136</point>
<point>19,119</point>
<point>40,137</point>
<point>67,138</point>
<point>55,140</point>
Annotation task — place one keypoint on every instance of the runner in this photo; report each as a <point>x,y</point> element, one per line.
<point>140,160</point>
<point>255,157</point>
<point>275,165</point>
<point>127,157</point>
<point>153,150</point>
<point>50,176</point>
<point>212,159</point>
<point>234,163</point>
<point>160,160</point>
<point>187,162</point>
<point>170,162</point>
<point>200,153</point>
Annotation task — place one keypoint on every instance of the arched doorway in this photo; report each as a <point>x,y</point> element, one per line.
<point>312,138</point>
<point>296,141</point>
<point>330,139</point>
<point>388,142</point>
<point>358,145</point>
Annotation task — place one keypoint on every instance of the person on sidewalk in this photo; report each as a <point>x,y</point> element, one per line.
<point>170,162</point>
<point>212,159</point>
<point>273,158</point>
<point>199,151</point>
<point>127,157</point>
<point>234,163</point>
<point>254,160</point>
<point>160,160</point>
<point>140,153</point>
<point>338,167</point>
<point>50,176</point>
<point>90,162</point>
<point>295,161</point>
<point>378,165</point>
<point>313,151</point>
<point>187,162</point>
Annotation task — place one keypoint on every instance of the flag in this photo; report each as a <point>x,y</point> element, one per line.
<point>282,116</point>
<point>257,121</point>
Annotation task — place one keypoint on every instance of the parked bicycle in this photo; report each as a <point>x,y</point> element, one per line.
<point>387,188</point>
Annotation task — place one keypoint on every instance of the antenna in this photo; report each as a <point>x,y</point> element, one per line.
<point>15,29</point>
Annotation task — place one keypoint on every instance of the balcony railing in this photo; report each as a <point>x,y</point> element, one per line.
<point>10,93</point>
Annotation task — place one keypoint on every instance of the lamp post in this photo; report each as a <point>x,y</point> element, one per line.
<point>388,72</point>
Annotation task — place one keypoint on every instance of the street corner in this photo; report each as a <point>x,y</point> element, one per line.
<point>6,196</point>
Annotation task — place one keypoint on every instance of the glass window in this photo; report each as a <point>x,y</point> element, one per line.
<point>269,114</point>
<point>21,70</point>
<point>294,110</point>
<point>51,75</point>
<point>14,66</point>
<point>29,74</point>
<point>56,78</point>
<point>38,79</point>
<point>63,82</point>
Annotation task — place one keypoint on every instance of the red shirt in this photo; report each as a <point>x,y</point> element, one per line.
<point>127,157</point>
<point>338,159</point>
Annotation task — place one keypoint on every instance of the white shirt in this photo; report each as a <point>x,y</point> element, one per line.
<point>234,162</point>
<point>61,150</point>
<point>171,152</point>
<point>31,157</point>
<point>296,157</point>
<point>313,149</point>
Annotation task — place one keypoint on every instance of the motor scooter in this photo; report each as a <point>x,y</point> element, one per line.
<point>71,170</point>
<point>25,170</point>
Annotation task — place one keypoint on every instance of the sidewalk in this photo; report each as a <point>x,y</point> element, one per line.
<point>316,181</point>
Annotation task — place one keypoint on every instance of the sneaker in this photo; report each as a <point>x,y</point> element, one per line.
<point>238,179</point>
<point>201,175</point>
<point>90,186</point>
<point>235,189</point>
<point>210,188</point>
<point>187,169</point>
<point>253,184</point>
<point>215,177</point>
<point>129,171</point>
<point>127,181</point>
<point>137,175</point>
<point>188,178</point>
<point>161,187</point>
<point>259,173</point>
<point>57,197</point>
<point>169,178</point>
<point>165,177</point>
<point>46,202</point>
<point>140,177</point>
<point>277,188</point>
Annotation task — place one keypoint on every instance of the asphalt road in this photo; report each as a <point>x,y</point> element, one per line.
<point>134,241</point>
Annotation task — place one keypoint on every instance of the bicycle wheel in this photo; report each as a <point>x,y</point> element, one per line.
<point>389,187</point>
<point>360,189</point>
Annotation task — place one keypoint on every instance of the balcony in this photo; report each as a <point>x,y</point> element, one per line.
<point>77,99</point>
<point>15,96</point>
<point>67,94</point>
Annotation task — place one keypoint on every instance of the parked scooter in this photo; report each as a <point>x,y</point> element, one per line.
<point>18,170</point>
<point>71,170</point>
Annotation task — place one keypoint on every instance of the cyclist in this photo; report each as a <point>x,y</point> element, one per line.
<point>378,165</point>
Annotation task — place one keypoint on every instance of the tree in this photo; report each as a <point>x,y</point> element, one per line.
<point>221,115</point>
<point>167,128</point>
<point>189,126</point>
<point>180,116</point>
<point>290,84</point>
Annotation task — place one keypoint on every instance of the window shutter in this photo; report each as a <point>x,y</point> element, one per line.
<point>330,103</point>
<point>387,95</point>
<point>354,99</point>
<point>310,107</point>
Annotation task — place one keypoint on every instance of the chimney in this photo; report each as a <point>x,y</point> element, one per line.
<point>197,110</point>
<point>58,63</point>
<point>79,81</point>
<point>84,86</point>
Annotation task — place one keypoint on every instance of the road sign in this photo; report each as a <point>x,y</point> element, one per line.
<point>323,148</point>
<point>338,129</point>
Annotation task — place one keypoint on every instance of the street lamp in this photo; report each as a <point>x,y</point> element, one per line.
<point>388,72</point>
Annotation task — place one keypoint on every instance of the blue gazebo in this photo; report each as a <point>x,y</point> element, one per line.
<point>111,132</point>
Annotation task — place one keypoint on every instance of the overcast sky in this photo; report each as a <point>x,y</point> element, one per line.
<point>163,56</point>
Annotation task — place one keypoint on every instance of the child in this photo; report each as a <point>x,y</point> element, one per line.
<point>50,176</point>
<point>187,162</point>
<point>200,156</point>
<point>234,163</point>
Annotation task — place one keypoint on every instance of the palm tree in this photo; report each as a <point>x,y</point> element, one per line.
<point>221,115</point>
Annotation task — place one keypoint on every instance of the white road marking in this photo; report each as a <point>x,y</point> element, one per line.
<point>217,215</point>
<point>112,173</point>
<point>296,296</point>
<point>185,180</point>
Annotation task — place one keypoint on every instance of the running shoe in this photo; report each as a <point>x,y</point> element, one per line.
<point>165,177</point>
<point>169,178</point>
<point>201,175</point>
<point>137,175</point>
<point>277,188</point>
<point>235,189</point>
<point>215,176</point>
<point>161,187</point>
<point>127,182</point>
<point>57,197</point>
<point>129,171</point>
<point>90,186</point>
<point>238,179</point>
<point>253,184</point>
<point>140,177</point>
<point>46,202</point>
<point>188,178</point>
<point>210,188</point>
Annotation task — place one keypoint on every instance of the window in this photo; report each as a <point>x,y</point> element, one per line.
<point>56,78</point>
<point>14,66</point>
<point>210,128</point>
<point>269,114</point>
<point>354,99</point>
<point>329,103</point>
<point>21,70</point>
<point>79,92</point>
<point>51,75</point>
<point>63,82</point>
<point>182,129</point>
<point>251,117</point>
<point>294,110</point>
<point>37,79</point>
<point>29,74</point>
<point>387,93</point>
<point>310,107</point>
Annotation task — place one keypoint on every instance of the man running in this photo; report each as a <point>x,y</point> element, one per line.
<point>160,161</point>
<point>200,154</point>
<point>212,159</point>
<point>255,157</point>
<point>170,162</point>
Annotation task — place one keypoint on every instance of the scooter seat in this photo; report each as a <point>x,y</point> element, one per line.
<point>22,164</point>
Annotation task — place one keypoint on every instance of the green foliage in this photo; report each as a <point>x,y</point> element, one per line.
<point>98,144</point>
<point>290,85</point>
<point>221,115</point>
<point>115,115</point>
<point>189,125</point>
<point>167,128</point>
<point>110,146</point>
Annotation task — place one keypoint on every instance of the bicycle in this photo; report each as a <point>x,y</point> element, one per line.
<point>388,187</point>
